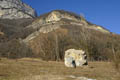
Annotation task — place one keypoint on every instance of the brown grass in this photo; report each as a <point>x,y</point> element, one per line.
<point>36,69</point>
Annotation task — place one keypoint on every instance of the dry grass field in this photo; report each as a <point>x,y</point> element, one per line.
<point>36,69</point>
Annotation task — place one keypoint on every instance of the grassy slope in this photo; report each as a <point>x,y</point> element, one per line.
<point>35,69</point>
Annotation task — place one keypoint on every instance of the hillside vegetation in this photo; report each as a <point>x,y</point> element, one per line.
<point>47,42</point>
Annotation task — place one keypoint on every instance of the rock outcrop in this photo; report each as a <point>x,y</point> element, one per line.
<point>75,58</point>
<point>61,16</point>
<point>15,9</point>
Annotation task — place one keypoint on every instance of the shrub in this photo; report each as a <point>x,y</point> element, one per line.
<point>14,49</point>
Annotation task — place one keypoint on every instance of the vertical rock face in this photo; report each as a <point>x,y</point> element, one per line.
<point>75,58</point>
<point>15,9</point>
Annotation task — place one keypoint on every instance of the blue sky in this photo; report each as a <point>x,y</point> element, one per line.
<point>101,12</point>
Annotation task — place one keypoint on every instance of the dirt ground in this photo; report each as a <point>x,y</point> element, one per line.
<point>36,69</point>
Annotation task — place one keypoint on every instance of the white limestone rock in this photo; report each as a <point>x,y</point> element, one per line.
<point>15,9</point>
<point>75,58</point>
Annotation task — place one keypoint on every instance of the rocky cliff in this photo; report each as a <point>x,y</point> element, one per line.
<point>15,9</point>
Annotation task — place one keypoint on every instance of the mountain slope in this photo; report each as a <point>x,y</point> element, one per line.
<point>59,30</point>
<point>48,36</point>
<point>59,16</point>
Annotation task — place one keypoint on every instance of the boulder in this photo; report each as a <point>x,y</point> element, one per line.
<point>74,58</point>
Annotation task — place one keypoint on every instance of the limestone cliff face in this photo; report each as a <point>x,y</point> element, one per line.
<point>15,9</point>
